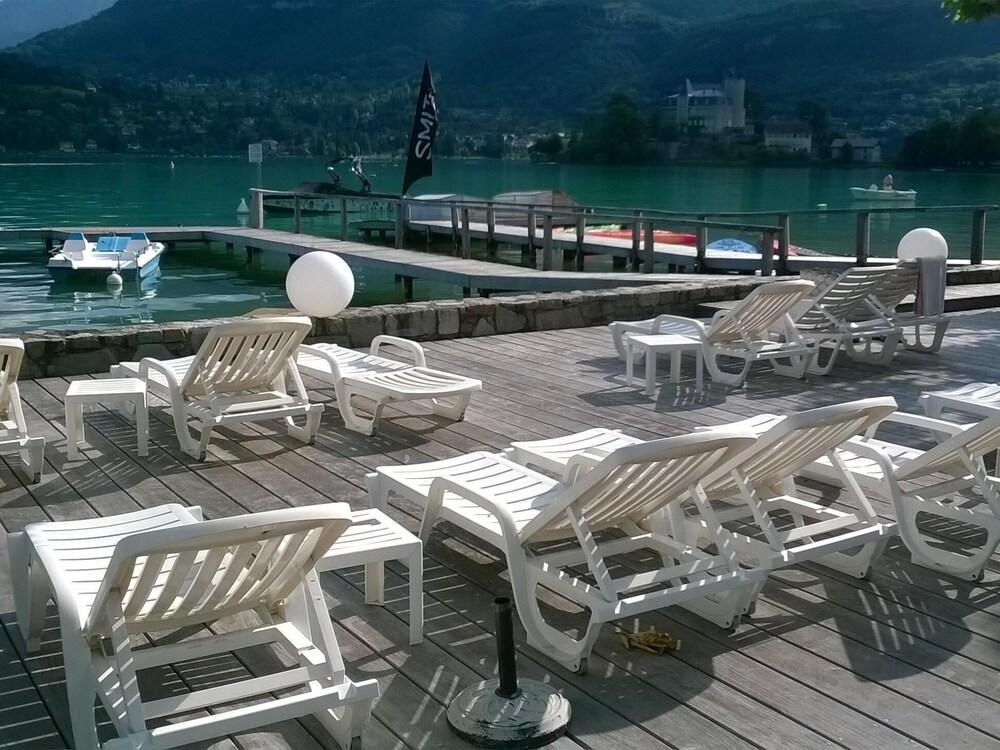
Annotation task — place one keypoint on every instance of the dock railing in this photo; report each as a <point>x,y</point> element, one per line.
<point>642,222</point>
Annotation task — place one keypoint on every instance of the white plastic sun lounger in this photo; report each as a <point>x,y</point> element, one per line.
<point>977,399</point>
<point>896,286</point>
<point>381,381</point>
<point>162,569</point>
<point>238,375</point>
<point>515,508</point>
<point>13,428</point>
<point>743,333</point>
<point>954,486</point>
<point>776,528</point>
<point>830,320</point>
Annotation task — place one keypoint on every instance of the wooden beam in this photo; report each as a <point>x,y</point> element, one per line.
<point>547,243</point>
<point>466,237</point>
<point>649,249</point>
<point>978,236</point>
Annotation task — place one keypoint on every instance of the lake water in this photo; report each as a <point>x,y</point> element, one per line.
<point>203,282</point>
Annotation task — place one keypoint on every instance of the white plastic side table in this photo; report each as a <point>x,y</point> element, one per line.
<point>106,391</point>
<point>372,540</point>
<point>653,344</point>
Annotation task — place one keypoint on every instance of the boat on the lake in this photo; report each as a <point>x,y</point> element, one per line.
<point>332,196</point>
<point>875,193</point>
<point>131,257</point>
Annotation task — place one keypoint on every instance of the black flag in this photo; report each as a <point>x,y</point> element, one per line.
<point>425,124</point>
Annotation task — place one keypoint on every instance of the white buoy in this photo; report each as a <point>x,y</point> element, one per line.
<point>821,206</point>
<point>243,208</point>
<point>114,279</point>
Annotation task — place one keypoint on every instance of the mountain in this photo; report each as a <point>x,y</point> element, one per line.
<point>547,57</point>
<point>23,19</point>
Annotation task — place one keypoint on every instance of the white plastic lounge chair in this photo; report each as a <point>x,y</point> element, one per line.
<point>238,375</point>
<point>759,485</point>
<point>515,508</point>
<point>742,333</point>
<point>162,569</point>
<point>896,286</point>
<point>381,381</point>
<point>13,428</point>
<point>949,482</point>
<point>830,321</point>
<point>978,399</point>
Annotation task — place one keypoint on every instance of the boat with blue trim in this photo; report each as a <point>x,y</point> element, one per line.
<point>132,257</point>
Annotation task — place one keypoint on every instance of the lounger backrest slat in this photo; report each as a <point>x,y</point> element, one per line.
<point>976,441</point>
<point>635,481</point>
<point>759,311</point>
<point>897,285</point>
<point>11,356</point>
<point>198,573</point>
<point>846,296</point>
<point>795,442</point>
<point>244,356</point>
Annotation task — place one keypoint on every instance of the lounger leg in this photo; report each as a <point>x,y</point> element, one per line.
<point>378,493</point>
<point>352,420</point>
<point>726,378</point>
<point>454,410</point>
<point>33,456</point>
<point>307,434</point>
<point>184,438</point>
<point>80,686</point>
<point>969,567</point>
<point>204,439</point>
<point>918,345</point>
<point>817,366</point>
<point>415,566</point>
<point>30,589</point>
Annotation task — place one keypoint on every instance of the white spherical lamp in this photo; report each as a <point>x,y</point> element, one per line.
<point>922,243</point>
<point>319,284</point>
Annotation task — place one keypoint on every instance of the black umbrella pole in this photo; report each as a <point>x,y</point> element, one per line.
<point>506,662</point>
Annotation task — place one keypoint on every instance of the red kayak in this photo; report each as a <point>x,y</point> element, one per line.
<point>659,235</point>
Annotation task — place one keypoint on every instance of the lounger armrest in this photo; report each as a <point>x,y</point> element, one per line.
<point>580,463</point>
<point>466,491</point>
<point>415,349</point>
<point>936,426</point>
<point>698,328</point>
<point>149,363</point>
<point>324,355</point>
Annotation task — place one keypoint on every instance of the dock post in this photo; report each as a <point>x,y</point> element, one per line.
<point>581,233</point>
<point>785,222</point>
<point>491,228</point>
<point>636,239</point>
<point>649,249</point>
<point>408,288</point>
<point>401,223</point>
<point>531,229</point>
<point>297,216</point>
<point>701,246</point>
<point>863,244</point>
<point>257,210</point>
<point>547,243</point>
<point>466,291</point>
<point>343,219</point>
<point>466,234</point>
<point>454,229</point>
<point>978,236</point>
<point>767,254</point>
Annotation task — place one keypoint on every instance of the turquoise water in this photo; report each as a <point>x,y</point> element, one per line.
<point>201,282</point>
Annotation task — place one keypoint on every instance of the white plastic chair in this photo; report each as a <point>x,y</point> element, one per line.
<point>238,375</point>
<point>381,381</point>
<point>74,246</point>
<point>830,321</point>
<point>949,482</point>
<point>896,286</point>
<point>162,569</point>
<point>515,508</point>
<point>13,428</point>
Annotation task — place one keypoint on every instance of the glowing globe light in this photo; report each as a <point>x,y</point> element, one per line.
<point>922,243</point>
<point>319,284</point>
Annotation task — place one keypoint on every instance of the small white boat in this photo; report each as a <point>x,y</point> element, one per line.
<point>132,257</point>
<point>875,193</point>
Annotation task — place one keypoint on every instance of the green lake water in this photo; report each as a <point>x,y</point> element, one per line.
<point>199,282</point>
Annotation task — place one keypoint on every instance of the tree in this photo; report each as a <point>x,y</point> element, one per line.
<point>815,115</point>
<point>971,10</point>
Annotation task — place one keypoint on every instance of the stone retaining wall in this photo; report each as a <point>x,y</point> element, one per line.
<point>51,354</point>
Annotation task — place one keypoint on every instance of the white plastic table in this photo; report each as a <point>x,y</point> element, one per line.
<point>105,391</point>
<point>372,540</point>
<point>653,344</point>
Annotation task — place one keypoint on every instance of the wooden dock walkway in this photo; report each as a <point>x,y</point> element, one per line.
<point>908,659</point>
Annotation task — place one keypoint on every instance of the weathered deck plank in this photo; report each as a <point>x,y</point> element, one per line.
<point>907,659</point>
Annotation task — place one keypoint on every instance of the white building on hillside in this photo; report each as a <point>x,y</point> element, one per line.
<point>793,136</point>
<point>710,108</point>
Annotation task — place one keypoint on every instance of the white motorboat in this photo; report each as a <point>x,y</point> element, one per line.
<point>132,257</point>
<point>875,193</point>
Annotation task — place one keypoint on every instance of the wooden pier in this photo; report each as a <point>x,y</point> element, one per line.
<point>908,659</point>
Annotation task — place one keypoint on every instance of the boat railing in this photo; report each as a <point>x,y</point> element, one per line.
<point>464,213</point>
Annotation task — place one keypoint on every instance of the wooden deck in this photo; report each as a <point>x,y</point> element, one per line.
<point>909,659</point>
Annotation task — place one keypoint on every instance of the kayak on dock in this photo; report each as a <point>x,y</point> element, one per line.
<point>132,257</point>
<point>659,235</point>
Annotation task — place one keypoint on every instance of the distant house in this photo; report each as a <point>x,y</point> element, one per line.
<point>91,145</point>
<point>67,147</point>
<point>856,148</point>
<point>709,107</point>
<point>788,135</point>
<point>270,145</point>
